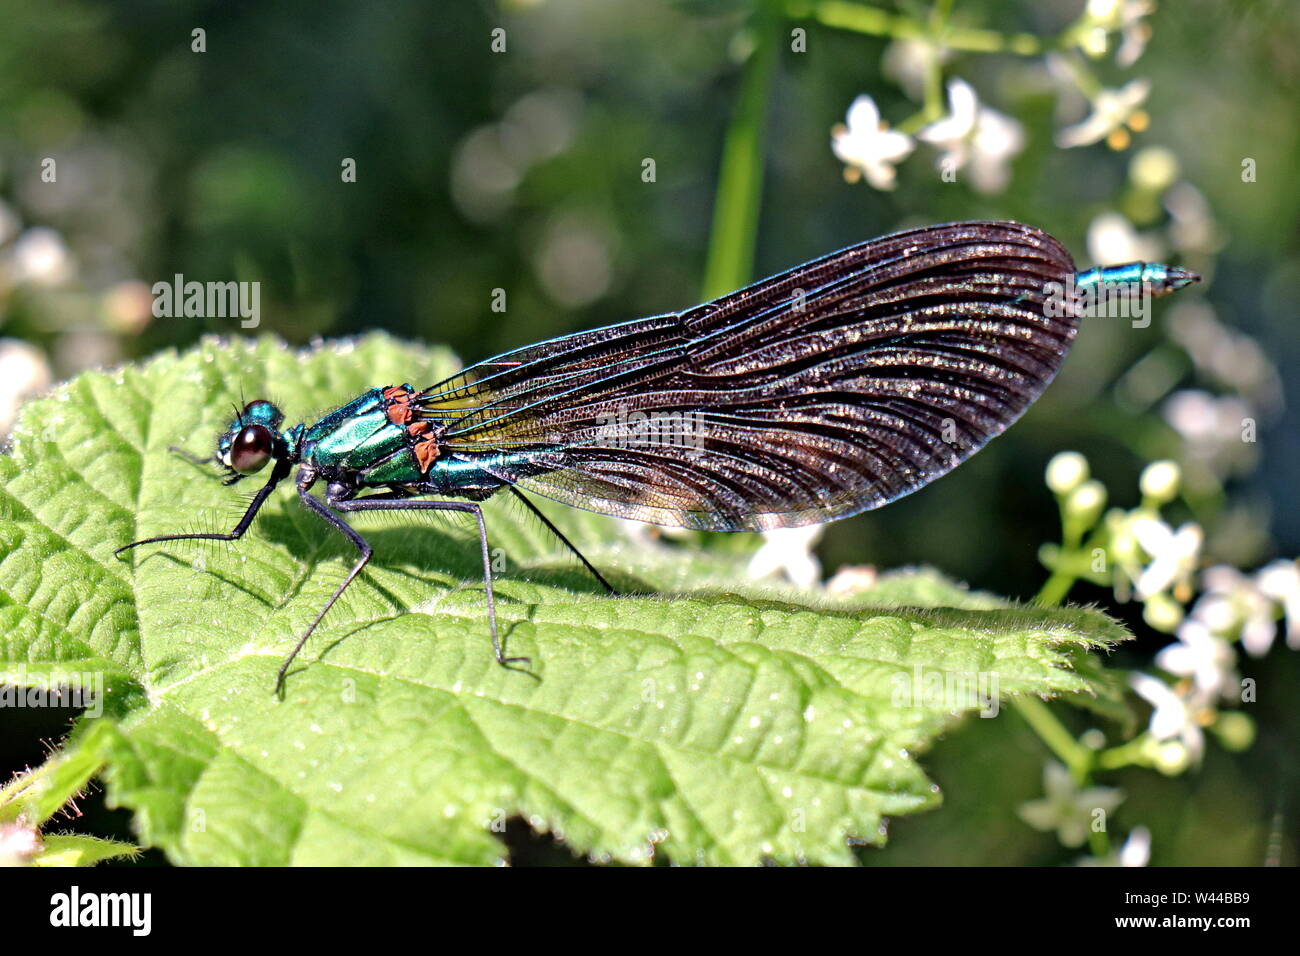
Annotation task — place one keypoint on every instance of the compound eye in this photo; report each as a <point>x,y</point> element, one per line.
<point>251,449</point>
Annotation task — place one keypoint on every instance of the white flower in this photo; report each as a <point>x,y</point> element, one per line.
<point>789,550</point>
<point>24,372</point>
<point>1111,111</point>
<point>852,579</point>
<point>1125,16</point>
<point>1281,582</point>
<point>1174,717</point>
<point>1213,428</point>
<point>868,147</point>
<point>1136,851</point>
<point>1135,33</point>
<point>41,258</point>
<point>1112,239</point>
<point>1206,659</point>
<point>1065,808</point>
<point>1229,357</point>
<point>1173,555</point>
<point>1234,605</point>
<point>977,136</point>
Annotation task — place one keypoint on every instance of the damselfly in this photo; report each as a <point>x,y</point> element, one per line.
<point>833,388</point>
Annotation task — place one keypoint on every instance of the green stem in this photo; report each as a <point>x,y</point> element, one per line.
<point>740,178</point>
<point>1076,757</point>
<point>1082,75</point>
<point>1125,755</point>
<point>1057,587</point>
<point>933,87</point>
<point>873,21</point>
<point>1063,577</point>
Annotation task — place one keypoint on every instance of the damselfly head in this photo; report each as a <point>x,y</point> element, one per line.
<point>252,439</point>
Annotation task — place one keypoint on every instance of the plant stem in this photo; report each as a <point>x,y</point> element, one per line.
<point>1076,757</point>
<point>861,18</point>
<point>1125,755</point>
<point>740,178</point>
<point>1056,587</point>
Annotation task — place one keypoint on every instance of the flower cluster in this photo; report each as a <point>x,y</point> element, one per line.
<point>1211,610</point>
<point>971,136</point>
<point>978,139</point>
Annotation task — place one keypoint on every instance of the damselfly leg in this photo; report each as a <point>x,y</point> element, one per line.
<point>259,499</point>
<point>550,525</point>
<point>327,509</point>
<point>189,456</point>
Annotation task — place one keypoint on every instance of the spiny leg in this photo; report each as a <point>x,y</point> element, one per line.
<point>281,470</point>
<point>189,456</point>
<point>321,510</point>
<point>385,503</point>
<point>565,541</point>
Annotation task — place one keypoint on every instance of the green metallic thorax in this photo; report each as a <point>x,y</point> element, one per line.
<point>360,441</point>
<point>378,439</point>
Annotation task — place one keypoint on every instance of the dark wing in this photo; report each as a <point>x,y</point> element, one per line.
<point>830,389</point>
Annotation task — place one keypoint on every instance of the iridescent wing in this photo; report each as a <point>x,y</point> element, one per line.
<point>830,389</point>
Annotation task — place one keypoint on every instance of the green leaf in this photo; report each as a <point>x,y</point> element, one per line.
<point>34,796</point>
<point>699,718</point>
<point>74,849</point>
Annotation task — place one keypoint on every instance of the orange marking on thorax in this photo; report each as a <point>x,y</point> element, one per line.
<point>399,408</point>
<point>400,412</point>
<point>426,452</point>
<point>426,448</point>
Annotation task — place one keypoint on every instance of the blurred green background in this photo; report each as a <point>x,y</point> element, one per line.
<point>522,170</point>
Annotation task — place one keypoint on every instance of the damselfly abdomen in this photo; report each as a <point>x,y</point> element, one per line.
<point>830,389</point>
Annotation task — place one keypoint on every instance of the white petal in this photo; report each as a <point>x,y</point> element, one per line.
<point>1257,635</point>
<point>863,116</point>
<point>958,124</point>
<point>1177,659</point>
<point>892,145</point>
<point>1137,848</point>
<point>1154,535</point>
<point>998,135</point>
<point>963,102</point>
<point>1132,95</point>
<point>1279,580</point>
<point>1092,130</point>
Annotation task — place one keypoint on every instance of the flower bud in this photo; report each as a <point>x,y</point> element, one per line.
<point>1066,471</point>
<point>1086,502</point>
<point>1160,481</point>
<point>1163,613</point>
